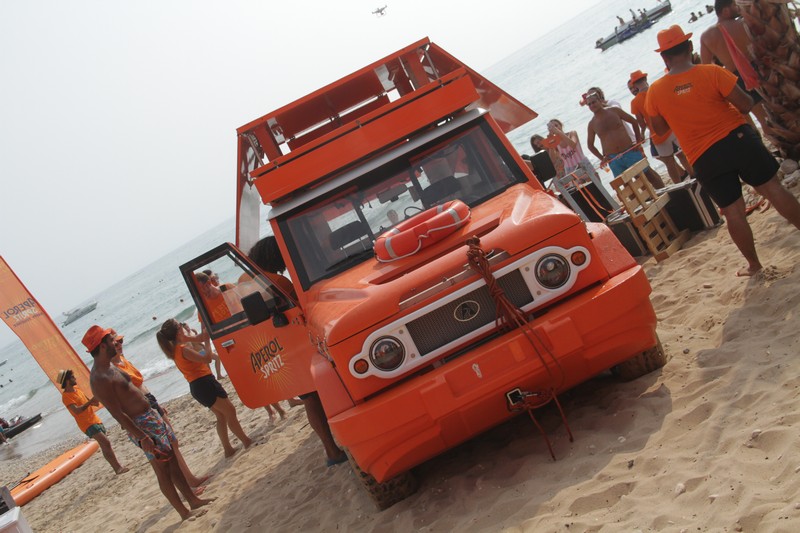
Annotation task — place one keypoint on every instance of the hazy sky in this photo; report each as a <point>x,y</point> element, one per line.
<point>118,118</point>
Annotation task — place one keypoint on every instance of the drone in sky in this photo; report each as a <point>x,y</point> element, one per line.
<point>379,11</point>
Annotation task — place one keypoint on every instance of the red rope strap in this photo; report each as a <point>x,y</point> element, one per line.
<point>509,317</point>
<point>591,200</point>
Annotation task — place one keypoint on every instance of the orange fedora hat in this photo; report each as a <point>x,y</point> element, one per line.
<point>94,336</point>
<point>672,37</point>
<point>637,75</point>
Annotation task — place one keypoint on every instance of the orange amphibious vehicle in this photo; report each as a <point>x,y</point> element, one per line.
<point>511,301</point>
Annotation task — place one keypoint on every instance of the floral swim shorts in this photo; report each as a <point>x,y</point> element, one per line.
<point>154,426</point>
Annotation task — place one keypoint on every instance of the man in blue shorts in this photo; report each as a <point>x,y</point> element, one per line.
<point>618,151</point>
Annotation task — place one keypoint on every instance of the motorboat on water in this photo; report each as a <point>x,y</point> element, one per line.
<point>78,312</point>
<point>634,26</point>
<point>19,424</point>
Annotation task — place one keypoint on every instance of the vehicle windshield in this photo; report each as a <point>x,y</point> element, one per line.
<point>339,229</point>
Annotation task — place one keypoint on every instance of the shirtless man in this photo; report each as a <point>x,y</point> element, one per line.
<point>618,151</point>
<point>144,425</point>
<point>712,46</point>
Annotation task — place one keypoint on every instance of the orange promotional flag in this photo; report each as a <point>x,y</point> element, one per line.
<point>31,323</point>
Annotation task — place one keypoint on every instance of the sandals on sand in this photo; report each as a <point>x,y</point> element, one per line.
<point>333,462</point>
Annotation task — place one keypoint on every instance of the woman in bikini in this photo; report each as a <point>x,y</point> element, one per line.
<point>179,344</point>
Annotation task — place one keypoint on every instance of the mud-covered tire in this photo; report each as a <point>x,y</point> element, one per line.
<point>641,364</point>
<point>388,493</point>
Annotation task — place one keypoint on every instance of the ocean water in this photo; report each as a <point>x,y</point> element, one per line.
<point>136,307</point>
<point>549,75</point>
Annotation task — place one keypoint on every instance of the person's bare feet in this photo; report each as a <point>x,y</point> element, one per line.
<point>294,402</point>
<point>247,442</point>
<point>198,502</point>
<point>122,470</point>
<point>230,452</point>
<point>749,271</point>
<point>197,481</point>
<point>194,514</point>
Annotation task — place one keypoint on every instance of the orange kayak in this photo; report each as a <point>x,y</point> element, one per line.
<point>53,472</point>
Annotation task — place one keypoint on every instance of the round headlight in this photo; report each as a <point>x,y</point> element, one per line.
<point>552,271</point>
<point>387,353</point>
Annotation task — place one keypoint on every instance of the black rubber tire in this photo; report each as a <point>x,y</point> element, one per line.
<point>388,493</point>
<point>641,364</point>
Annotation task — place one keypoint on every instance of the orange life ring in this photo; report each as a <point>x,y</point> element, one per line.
<point>421,230</point>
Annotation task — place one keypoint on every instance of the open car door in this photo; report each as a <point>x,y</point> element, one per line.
<point>257,328</point>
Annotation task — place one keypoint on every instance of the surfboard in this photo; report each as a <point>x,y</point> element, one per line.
<point>37,482</point>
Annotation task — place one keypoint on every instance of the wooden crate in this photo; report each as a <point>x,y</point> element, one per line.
<point>648,213</point>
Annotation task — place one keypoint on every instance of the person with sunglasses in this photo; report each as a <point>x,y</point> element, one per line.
<point>144,425</point>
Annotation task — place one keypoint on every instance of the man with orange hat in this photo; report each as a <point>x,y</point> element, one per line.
<point>664,147</point>
<point>83,410</point>
<point>705,108</point>
<point>144,425</point>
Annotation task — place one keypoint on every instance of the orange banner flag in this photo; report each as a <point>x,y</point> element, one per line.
<point>31,323</point>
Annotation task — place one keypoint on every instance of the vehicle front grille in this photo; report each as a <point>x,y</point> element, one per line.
<point>440,326</point>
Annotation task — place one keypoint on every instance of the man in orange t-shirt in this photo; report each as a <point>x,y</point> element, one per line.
<point>83,410</point>
<point>664,147</point>
<point>705,108</point>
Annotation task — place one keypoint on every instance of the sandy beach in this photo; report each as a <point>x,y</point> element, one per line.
<point>710,443</point>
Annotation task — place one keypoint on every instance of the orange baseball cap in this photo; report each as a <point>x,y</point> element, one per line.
<point>672,37</point>
<point>94,336</point>
<point>636,75</point>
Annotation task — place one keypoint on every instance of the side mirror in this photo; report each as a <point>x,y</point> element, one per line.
<point>256,308</point>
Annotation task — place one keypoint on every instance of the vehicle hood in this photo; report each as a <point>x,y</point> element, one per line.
<point>371,292</point>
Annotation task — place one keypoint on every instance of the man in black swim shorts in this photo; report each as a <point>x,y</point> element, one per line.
<point>705,109</point>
